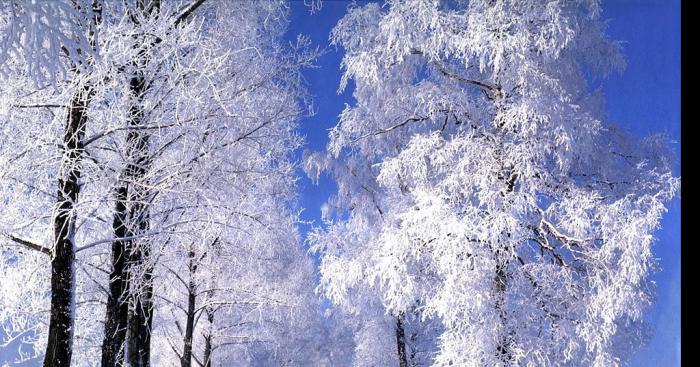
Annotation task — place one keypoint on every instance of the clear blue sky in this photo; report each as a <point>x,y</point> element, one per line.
<point>644,99</point>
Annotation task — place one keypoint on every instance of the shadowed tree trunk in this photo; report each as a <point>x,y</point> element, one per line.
<point>186,360</point>
<point>130,303</point>
<point>208,338</point>
<point>117,303</point>
<point>503,352</point>
<point>141,285</point>
<point>401,341</point>
<point>210,311</point>
<point>140,319</point>
<point>139,271</point>
<point>140,323</point>
<point>59,346</point>
<point>140,277</point>
<point>129,251</point>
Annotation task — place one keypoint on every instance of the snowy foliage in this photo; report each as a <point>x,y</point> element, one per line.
<point>212,135</point>
<point>487,214</point>
<point>49,37</point>
<point>477,177</point>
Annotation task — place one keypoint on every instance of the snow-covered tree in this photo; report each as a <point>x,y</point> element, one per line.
<point>478,179</point>
<point>182,156</point>
<point>34,35</point>
<point>237,289</point>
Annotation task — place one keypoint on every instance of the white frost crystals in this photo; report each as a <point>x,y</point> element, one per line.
<point>174,180</point>
<point>39,33</point>
<point>478,184</point>
<point>487,213</point>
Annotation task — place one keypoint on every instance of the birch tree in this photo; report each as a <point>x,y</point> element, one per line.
<point>478,176</point>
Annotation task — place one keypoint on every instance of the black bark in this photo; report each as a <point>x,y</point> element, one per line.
<point>130,279</point>
<point>140,278</point>
<point>130,304</point>
<point>140,269</point>
<point>59,348</point>
<point>401,341</point>
<point>139,325</point>
<point>186,360</point>
<point>117,302</point>
<point>503,349</point>
<point>209,338</point>
<point>140,320</point>
<point>61,324</point>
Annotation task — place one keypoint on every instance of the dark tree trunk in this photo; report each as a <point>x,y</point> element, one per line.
<point>59,346</point>
<point>136,198</point>
<point>117,302</point>
<point>140,317</point>
<point>141,314</point>
<point>131,277</point>
<point>186,360</point>
<point>401,341</point>
<point>208,338</point>
<point>210,311</point>
<point>503,350</point>
<point>141,287</point>
<point>147,317</point>
<point>129,252</point>
<point>139,327</point>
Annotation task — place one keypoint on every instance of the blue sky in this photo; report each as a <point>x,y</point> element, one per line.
<point>644,98</point>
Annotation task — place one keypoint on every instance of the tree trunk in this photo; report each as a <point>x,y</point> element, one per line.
<point>141,314</point>
<point>210,311</point>
<point>117,302</point>
<point>129,280</point>
<point>208,338</point>
<point>131,277</point>
<point>139,161</point>
<point>139,326</point>
<point>59,346</point>
<point>186,360</point>
<point>140,317</point>
<point>141,295</point>
<point>503,352</point>
<point>401,341</point>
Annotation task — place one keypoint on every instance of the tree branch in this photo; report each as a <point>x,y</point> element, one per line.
<point>28,244</point>
<point>388,129</point>
<point>187,12</point>
<point>39,106</point>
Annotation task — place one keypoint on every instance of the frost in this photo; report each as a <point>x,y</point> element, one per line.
<point>479,187</point>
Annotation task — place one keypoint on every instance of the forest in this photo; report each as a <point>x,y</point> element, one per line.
<point>485,211</point>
